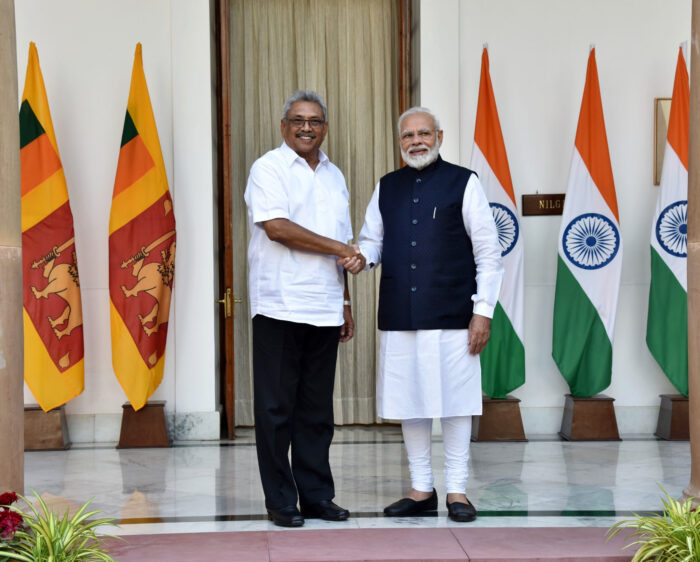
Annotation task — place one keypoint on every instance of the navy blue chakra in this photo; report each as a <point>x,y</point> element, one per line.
<point>591,241</point>
<point>672,229</point>
<point>507,226</point>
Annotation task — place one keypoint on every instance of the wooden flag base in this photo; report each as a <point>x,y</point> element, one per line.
<point>589,419</point>
<point>45,431</point>
<point>145,428</point>
<point>500,420</point>
<point>673,424</point>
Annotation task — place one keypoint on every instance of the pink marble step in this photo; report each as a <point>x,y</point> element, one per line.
<point>365,544</point>
<point>566,544</point>
<point>191,547</point>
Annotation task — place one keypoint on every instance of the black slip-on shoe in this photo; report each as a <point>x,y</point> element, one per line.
<point>287,516</point>
<point>461,512</point>
<point>326,510</point>
<point>406,507</point>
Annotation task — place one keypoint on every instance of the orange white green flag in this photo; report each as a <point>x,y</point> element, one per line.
<point>590,255</point>
<point>53,318</point>
<point>503,359</point>
<point>141,249</point>
<point>667,323</point>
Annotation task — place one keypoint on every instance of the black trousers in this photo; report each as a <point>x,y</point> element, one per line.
<point>293,377</point>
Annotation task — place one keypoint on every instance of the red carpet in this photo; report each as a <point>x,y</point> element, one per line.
<point>569,544</point>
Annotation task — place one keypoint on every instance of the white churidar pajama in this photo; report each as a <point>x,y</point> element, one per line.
<point>427,374</point>
<point>456,433</point>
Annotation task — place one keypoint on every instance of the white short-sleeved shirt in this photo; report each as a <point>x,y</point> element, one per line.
<point>296,285</point>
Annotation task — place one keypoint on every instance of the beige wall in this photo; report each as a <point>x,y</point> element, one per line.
<point>86,50</point>
<point>538,52</point>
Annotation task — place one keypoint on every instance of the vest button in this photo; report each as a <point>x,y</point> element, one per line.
<point>416,199</point>
<point>418,180</point>
<point>414,221</point>
<point>414,243</point>
<point>414,289</point>
<point>413,266</point>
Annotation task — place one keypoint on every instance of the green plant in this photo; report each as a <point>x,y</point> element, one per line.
<point>45,537</point>
<point>672,536</point>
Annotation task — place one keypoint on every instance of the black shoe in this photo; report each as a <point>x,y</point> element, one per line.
<point>461,512</point>
<point>406,506</point>
<point>287,516</point>
<point>325,509</point>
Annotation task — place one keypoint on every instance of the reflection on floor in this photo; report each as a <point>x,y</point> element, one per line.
<point>203,487</point>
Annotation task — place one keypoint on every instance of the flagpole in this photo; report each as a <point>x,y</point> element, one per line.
<point>693,489</point>
<point>11,349</point>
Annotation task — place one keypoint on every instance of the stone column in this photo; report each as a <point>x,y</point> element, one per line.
<point>11,347</point>
<point>693,489</point>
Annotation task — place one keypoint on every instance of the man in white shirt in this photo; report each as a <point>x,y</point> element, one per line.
<point>299,219</point>
<point>431,227</point>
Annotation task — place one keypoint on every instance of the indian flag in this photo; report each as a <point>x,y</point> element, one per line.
<point>590,255</point>
<point>53,318</point>
<point>503,359</point>
<point>141,249</point>
<point>667,324</point>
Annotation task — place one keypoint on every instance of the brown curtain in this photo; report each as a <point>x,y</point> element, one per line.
<point>347,51</point>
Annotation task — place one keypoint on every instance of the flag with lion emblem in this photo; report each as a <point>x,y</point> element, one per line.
<point>141,249</point>
<point>53,317</point>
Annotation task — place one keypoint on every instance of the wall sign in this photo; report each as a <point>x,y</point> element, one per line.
<point>543,204</point>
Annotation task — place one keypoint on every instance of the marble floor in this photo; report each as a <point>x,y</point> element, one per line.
<point>214,486</point>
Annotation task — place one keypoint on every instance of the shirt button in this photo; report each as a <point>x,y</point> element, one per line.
<point>418,180</point>
<point>414,221</point>
<point>414,289</point>
<point>414,243</point>
<point>413,266</point>
<point>416,199</point>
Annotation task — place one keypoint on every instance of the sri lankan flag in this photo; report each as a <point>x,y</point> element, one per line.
<point>141,249</point>
<point>53,317</point>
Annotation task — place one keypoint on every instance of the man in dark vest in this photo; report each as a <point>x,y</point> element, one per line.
<point>430,226</point>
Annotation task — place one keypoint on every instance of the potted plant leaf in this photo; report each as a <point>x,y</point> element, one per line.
<point>42,536</point>
<point>671,536</point>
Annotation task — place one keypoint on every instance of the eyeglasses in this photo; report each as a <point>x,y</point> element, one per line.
<point>298,122</point>
<point>422,134</point>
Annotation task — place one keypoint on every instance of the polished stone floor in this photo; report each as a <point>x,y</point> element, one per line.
<point>204,487</point>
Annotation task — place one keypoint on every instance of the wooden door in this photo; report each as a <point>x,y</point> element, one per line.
<point>227,300</point>
<point>227,293</point>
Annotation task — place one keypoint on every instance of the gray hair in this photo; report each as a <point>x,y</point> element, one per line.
<point>304,95</point>
<point>419,110</point>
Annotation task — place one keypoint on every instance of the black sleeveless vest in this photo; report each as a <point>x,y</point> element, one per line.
<point>428,270</point>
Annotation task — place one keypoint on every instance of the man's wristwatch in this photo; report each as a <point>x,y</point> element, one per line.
<point>347,302</point>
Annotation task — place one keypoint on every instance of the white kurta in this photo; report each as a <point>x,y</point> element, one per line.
<point>430,373</point>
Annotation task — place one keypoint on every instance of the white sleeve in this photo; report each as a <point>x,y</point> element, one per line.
<point>348,235</point>
<point>265,194</point>
<point>479,223</point>
<point>372,233</point>
<point>348,221</point>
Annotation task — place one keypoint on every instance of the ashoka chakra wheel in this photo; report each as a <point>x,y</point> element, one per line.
<point>672,229</point>
<point>507,226</point>
<point>591,241</point>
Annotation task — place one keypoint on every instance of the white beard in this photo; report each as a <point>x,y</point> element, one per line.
<point>422,160</point>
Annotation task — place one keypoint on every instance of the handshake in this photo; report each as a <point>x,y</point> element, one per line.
<point>352,260</point>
